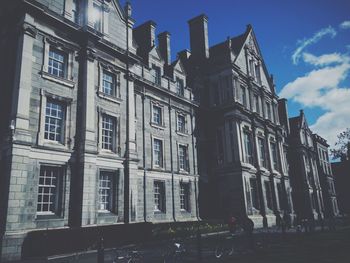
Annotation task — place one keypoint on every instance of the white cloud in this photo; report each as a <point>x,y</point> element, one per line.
<point>345,25</point>
<point>302,44</point>
<point>321,88</point>
<point>325,59</point>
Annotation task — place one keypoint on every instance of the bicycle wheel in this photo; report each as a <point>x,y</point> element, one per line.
<point>230,250</point>
<point>219,251</point>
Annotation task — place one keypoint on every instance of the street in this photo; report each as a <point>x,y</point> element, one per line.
<point>320,247</point>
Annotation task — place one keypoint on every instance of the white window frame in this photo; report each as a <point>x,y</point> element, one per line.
<point>157,79</point>
<point>116,75</point>
<point>246,129</point>
<point>113,190</point>
<point>116,137</point>
<point>185,196</point>
<point>161,107</point>
<point>66,140</point>
<point>272,140</point>
<point>186,168</point>
<point>178,129</point>
<point>67,80</point>
<point>159,193</point>
<point>154,165</point>
<point>180,90</point>
<point>59,187</point>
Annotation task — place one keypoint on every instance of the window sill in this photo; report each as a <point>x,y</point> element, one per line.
<point>53,144</point>
<point>105,213</point>
<point>109,98</point>
<point>183,171</point>
<point>107,153</point>
<point>47,216</point>
<point>157,126</point>
<point>158,168</point>
<point>58,80</point>
<point>159,212</point>
<point>182,133</point>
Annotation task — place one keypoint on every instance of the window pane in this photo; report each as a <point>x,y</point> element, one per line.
<point>53,121</point>
<point>108,133</point>
<point>57,63</point>
<point>106,191</point>
<point>158,152</point>
<point>108,84</point>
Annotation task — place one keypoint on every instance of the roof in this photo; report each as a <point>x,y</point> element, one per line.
<point>236,45</point>
<point>294,124</point>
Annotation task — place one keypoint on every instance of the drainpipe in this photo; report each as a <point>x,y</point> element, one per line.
<point>172,161</point>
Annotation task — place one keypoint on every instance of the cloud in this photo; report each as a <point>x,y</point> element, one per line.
<point>345,25</point>
<point>324,60</point>
<point>302,44</point>
<point>321,88</point>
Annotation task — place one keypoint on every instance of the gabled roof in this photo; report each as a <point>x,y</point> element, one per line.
<point>236,45</point>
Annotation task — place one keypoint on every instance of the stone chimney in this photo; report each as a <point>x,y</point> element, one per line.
<point>283,113</point>
<point>199,37</point>
<point>145,35</point>
<point>164,46</point>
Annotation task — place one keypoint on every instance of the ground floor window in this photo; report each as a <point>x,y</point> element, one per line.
<point>106,191</point>
<point>268,193</point>
<point>159,196</point>
<point>184,196</point>
<point>50,190</point>
<point>254,193</point>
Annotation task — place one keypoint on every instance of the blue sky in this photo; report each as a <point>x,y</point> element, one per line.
<point>308,77</point>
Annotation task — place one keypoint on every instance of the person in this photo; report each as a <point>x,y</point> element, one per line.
<point>232,224</point>
<point>248,228</point>
<point>286,220</point>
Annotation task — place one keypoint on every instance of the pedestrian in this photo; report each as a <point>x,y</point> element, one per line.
<point>286,220</point>
<point>232,224</point>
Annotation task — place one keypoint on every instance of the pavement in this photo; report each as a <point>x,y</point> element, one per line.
<point>270,246</point>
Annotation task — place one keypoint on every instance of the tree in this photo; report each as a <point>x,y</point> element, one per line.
<point>342,146</point>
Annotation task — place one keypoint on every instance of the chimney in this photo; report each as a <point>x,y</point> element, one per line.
<point>199,37</point>
<point>164,46</point>
<point>283,113</point>
<point>145,35</point>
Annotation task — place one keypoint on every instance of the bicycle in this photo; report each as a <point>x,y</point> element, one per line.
<point>133,256</point>
<point>174,253</point>
<point>225,247</point>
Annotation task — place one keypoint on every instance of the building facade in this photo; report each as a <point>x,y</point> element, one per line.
<point>97,123</point>
<point>306,183</point>
<point>242,143</point>
<point>326,177</point>
<point>341,173</point>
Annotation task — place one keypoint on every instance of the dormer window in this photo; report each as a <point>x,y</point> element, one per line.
<point>257,73</point>
<point>156,75</point>
<point>97,17</point>
<point>180,86</point>
<point>251,67</point>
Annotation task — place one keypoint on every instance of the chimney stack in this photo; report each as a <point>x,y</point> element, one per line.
<point>164,46</point>
<point>199,37</point>
<point>145,35</point>
<point>283,113</point>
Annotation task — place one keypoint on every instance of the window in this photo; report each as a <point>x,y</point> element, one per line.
<point>274,156</point>
<point>262,155</point>
<point>50,190</point>
<point>180,86</point>
<point>248,147</point>
<point>257,106</point>
<point>57,63</point>
<point>54,121</point>
<point>243,96</point>
<point>97,17</point>
<point>157,115</point>
<point>257,73</point>
<point>281,196</point>
<point>268,111</point>
<point>158,153</point>
<point>108,132</point>
<point>181,123</point>
<point>184,196</point>
<point>254,193</point>
<point>108,83</point>
<point>75,11</point>
<point>159,196</point>
<point>268,193</point>
<point>183,157</point>
<point>251,68</point>
<point>106,191</point>
<point>156,75</point>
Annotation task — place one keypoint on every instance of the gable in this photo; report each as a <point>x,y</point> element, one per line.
<point>178,67</point>
<point>254,54</point>
<point>155,54</point>
<point>116,24</point>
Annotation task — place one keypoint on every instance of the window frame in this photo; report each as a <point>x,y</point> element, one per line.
<point>186,165</point>
<point>113,198</point>
<point>180,86</point>
<point>159,195</point>
<point>161,115</point>
<point>184,197</point>
<point>113,147</point>
<point>161,164</point>
<point>58,209</point>
<point>182,130</point>
<point>157,75</point>
<point>248,151</point>
<point>274,157</point>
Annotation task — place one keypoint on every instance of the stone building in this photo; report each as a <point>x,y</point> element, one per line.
<point>241,141</point>
<point>305,180</point>
<point>325,174</point>
<point>97,123</point>
<point>341,173</point>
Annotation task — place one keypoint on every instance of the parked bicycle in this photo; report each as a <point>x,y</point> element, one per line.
<point>225,247</point>
<point>133,256</point>
<point>176,252</point>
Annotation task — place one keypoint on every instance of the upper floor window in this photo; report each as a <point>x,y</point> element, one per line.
<point>243,96</point>
<point>158,153</point>
<point>251,68</point>
<point>97,17</point>
<point>248,147</point>
<point>183,158</point>
<point>268,193</point>
<point>157,115</point>
<point>180,87</point>
<point>156,75</point>
<point>274,154</point>
<point>50,190</point>
<point>268,111</point>
<point>54,121</point>
<point>257,73</point>
<point>108,83</point>
<point>57,63</point>
<point>181,123</point>
<point>75,11</point>
<point>108,132</point>
<point>262,154</point>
